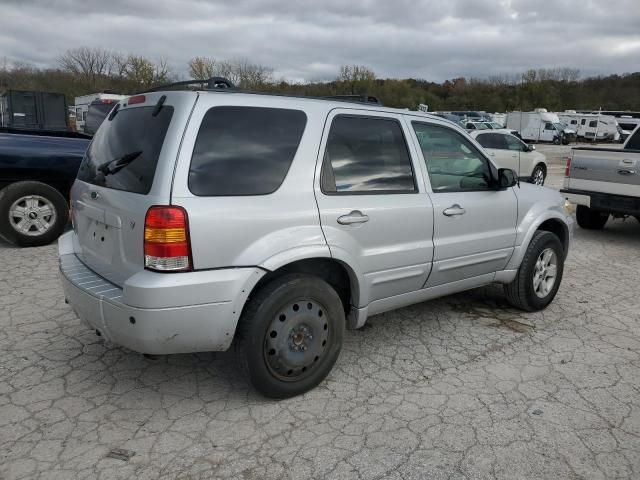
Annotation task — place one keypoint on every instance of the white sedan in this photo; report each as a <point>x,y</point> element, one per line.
<point>509,151</point>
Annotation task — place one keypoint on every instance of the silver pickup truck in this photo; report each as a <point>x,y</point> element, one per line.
<point>604,182</point>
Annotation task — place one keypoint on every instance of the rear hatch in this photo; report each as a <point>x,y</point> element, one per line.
<point>127,168</point>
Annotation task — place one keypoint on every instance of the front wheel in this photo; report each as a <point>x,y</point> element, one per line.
<point>539,275</point>
<point>290,335</point>
<point>32,214</point>
<point>590,219</point>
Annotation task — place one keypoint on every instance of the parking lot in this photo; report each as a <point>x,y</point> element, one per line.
<point>459,388</point>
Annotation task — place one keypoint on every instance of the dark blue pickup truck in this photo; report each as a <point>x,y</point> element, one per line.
<point>37,169</point>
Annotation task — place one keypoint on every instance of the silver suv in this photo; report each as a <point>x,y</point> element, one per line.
<point>207,218</point>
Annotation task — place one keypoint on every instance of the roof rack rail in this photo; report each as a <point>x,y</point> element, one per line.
<point>212,83</point>
<point>354,98</point>
<point>221,83</point>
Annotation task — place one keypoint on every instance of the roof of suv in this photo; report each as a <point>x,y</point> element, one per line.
<point>320,100</point>
<point>222,86</point>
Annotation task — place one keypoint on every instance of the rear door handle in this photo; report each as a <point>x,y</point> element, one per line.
<point>354,217</point>
<point>454,210</point>
<point>626,172</point>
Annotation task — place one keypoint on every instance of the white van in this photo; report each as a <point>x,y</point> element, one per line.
<point>82,103</point>
<point>591,126</point>
<point>539,126</point>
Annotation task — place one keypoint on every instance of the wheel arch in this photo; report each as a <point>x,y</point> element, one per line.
<point>336,273</point>
<point>552,222</point>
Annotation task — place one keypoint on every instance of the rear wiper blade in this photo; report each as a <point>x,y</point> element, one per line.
<point>117,164</point>
<point>158,106</point>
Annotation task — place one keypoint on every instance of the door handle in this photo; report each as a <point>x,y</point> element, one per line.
<point>356,216</point>
<point>454,210</point>
<point>492,154</point>
<point>626,172</point>
<point>514,156</point>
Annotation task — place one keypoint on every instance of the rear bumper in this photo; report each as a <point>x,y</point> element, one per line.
<point>205,311</point>
<point>604,202</point>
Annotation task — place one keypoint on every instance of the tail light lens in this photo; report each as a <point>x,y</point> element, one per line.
<point>166,240</point>
<point>567,169</point>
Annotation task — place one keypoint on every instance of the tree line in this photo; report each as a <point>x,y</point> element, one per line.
<point>83,70</point>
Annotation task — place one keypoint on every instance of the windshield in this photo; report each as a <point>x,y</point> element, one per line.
<point>124,152</point>
<point>559,126</point>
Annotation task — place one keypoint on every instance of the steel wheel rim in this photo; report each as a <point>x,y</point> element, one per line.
<point>538,177</point>
<point>32,215</point>
<point>297,339</point>
<point>545,272</point>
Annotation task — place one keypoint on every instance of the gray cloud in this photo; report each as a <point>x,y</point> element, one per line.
<point>309,40</point>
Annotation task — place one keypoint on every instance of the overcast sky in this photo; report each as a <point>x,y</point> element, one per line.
<point>309,40</point>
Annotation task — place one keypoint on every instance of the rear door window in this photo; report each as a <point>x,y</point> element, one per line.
<point>124,152</point>
<point>366,155</point>
<point>244,150</point>
<point>492,140</point>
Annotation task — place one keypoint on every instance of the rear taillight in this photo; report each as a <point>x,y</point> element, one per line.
<point>567,169</point>
<point>166,240</point>
<point>136,99</point>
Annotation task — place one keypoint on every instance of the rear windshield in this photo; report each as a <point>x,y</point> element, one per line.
<point>244,150</point>
<point>124,152</point>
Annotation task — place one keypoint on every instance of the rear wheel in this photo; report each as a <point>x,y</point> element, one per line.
<point>539,275</point>
<point>290,335</point>
<point>32,214</point>
<point>538,175</point>
<point>590,219</point>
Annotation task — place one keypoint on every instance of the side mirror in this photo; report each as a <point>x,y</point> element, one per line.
<point>531,147</point>
<point>507,178</point>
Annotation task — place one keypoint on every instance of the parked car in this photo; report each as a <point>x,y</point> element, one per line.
<point>37,169</point>
<point>509,151</point>
<point>211,217</point>
<point>604,182</point>
<point>475,125</point>
<point>101,102</point>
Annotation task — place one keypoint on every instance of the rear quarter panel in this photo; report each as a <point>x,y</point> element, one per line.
<point>258,230</point>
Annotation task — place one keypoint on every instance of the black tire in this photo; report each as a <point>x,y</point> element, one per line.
<point>538,168</point>
<point>55,224</point>
<point>590,219</point>
<point>556,140</point>
<point>270,371</point>
<point>520,292</point>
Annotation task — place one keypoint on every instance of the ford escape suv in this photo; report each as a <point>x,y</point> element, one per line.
<point>209,218</point>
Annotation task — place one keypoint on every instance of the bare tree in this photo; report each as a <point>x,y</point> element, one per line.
<point>118,65</point>
<point>202,68</point>
<point>88,63</point>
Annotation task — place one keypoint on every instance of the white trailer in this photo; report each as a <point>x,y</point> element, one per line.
<point>82,103</point>
<point>591,126</point>
<point>539,126</point>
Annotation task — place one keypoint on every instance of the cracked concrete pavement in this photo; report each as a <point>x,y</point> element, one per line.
<point>459,388</point>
